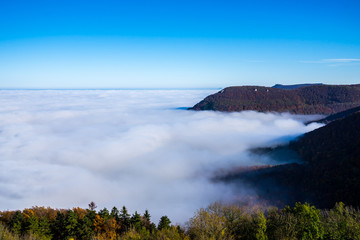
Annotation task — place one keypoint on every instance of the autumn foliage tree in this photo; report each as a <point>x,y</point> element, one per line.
<point>217,221</point>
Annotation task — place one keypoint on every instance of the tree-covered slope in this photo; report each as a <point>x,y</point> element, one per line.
<point>330,171</point>
<point>314,99</point>
<point>337,142</point>
<point>338,116</point>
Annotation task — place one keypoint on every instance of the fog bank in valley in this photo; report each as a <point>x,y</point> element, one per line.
<point>65,148</point>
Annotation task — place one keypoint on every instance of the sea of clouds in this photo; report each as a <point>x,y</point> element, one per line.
<point>66,148</point>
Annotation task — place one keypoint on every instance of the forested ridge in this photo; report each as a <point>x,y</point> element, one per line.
<point>329,171</point>
<point>218,221</point>
<point>313,99</point>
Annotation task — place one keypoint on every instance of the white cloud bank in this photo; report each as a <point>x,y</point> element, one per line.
<point>125,147</point>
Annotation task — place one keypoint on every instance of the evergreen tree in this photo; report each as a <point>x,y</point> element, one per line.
<point>147,215</point>
<point>71,223</point>
<point>17,222</point>
<point>164,223</point>
<point>91,214</point>
<point>124,219</point>
<point>32,225</point>
<point>104,213</point>
<point>58,228</point>
<point>146,220</point>
<point>115,213</point>
<point>135,221</point>
<point>85,228</point>
<point>44,227</point>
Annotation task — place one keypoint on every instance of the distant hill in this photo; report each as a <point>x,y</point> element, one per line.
<point>314,99</point>
<point>294,86</point>
<point>330,171</point>
<point>338,116</point>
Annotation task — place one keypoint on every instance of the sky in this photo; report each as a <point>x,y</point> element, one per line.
<point>135,148</point>
<point>177,44</point>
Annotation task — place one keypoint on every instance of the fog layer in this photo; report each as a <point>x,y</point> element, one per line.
<point>65,148</point>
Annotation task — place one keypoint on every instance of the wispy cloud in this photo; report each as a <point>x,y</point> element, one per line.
<point>334,61</point>
<point>341,60</point>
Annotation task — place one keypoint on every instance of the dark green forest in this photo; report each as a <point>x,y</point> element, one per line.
<point>218,221</point>
<point>328,172</point>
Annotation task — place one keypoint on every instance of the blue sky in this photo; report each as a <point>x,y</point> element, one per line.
<point>177,44</point>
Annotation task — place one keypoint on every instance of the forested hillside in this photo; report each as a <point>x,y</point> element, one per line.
<point>329,173</point>
<point>314,99</point>
<point>339,116</point>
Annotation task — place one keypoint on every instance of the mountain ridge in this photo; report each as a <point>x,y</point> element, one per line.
<point>313,99</point>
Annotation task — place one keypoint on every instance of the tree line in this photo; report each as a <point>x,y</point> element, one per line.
<point>217,221</point>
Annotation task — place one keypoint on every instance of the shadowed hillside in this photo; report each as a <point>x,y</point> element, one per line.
<point>329,173</point>
<point>315,99</point>
<point>338,116</point>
